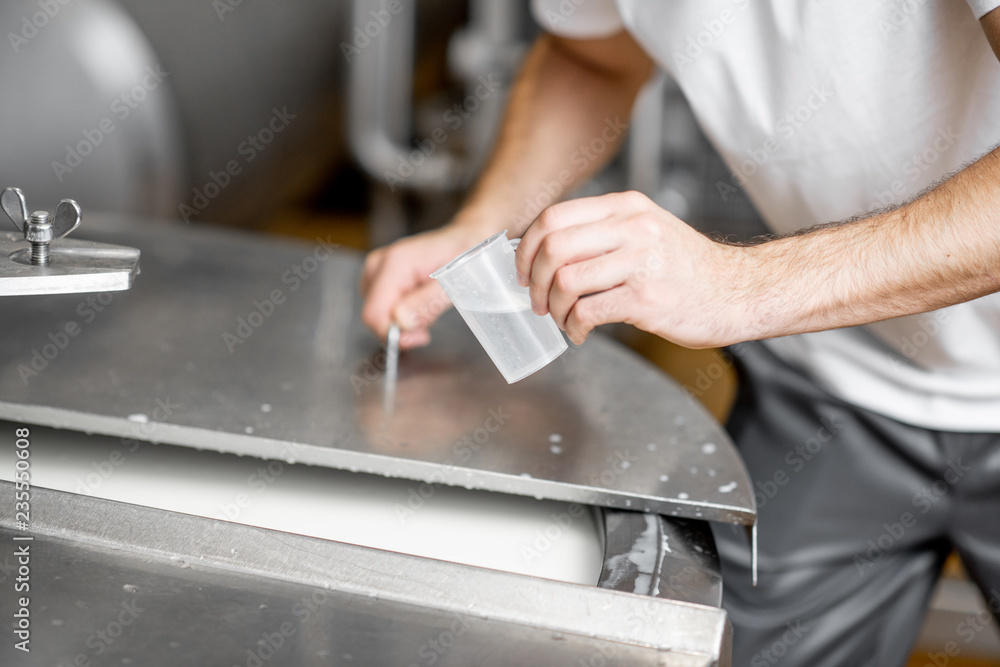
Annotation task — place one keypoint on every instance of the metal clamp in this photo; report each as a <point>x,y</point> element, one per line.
<point>37,229</point>
<point>72,266</point>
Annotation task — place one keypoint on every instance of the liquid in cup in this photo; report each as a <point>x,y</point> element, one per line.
<point>481,282</point>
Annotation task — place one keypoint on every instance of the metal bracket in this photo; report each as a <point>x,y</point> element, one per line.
<point>72,267</point>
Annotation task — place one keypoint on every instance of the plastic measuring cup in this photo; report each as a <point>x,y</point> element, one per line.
<point>481,283</point>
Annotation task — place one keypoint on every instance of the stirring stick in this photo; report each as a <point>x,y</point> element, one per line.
<point>391,370</point>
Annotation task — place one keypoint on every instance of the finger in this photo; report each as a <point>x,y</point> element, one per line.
<point>421,307</point>
<point>373,264</point>
<point>392,281</point>
<point>581,279</point>
<point>415,338</point>
<point>567,247</point>
<point>596,309</point>
<point>574,212</point>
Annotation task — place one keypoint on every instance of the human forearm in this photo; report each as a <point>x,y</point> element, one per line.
<point>621,258</point>
<point>941,249</point>
<point>568,96</point>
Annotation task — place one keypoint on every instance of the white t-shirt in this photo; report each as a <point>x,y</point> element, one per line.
<point>825,109</point>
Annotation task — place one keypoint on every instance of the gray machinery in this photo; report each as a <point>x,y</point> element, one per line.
<point>250,346</point>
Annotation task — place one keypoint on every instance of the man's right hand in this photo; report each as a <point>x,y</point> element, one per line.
<point>397,286</point>
<point>567,93</point>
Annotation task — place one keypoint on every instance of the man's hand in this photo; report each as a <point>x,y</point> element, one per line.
<point>567,93</point>
<point>621,258</point>
<point>398,288</point>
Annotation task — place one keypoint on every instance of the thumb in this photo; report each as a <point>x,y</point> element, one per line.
<point>421,307</point>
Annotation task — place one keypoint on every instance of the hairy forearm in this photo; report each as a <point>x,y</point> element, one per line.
<point>565,120</point>
<point>941,249</point>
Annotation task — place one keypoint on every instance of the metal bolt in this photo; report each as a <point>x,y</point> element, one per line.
<point>38,233</point>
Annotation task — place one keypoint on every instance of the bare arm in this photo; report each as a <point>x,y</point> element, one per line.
<point>568,94</point>
<point>621,258</point>
<point>939,250</point>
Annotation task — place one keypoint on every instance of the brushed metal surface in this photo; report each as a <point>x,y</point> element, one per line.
<point>75,266</point>
<point>253,345</point>
<point>123,584</point>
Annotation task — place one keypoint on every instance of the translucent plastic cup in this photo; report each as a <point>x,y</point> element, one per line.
<point>482,284</point>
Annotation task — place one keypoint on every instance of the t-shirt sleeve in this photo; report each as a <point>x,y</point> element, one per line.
<point>578,19</point>
<point>983,7</point>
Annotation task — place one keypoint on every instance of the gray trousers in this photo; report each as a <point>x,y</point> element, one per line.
<point>856,514</point>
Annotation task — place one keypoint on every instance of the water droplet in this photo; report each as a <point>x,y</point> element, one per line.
<point>248,430</point>
<point>555,449</point>
<point>726,488</point>
<point>683,496</point>
<point>664,478</point>
<point>526,474</point>
<point>625,464</point>
<point>711,472</point>
<point>555,437</point>
<point>57,622</point>
<point>265,407</point>
<point>129,588</point>
<point>694,470</point>
<point>651,446</point>
<point>138,418</point>
<point>708,448</point>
